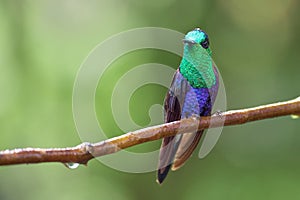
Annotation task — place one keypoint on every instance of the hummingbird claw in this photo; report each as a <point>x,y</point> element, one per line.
<point>218,113</point>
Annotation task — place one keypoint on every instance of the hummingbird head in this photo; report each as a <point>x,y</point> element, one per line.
<point>197,64</point>
<point>198,39</point>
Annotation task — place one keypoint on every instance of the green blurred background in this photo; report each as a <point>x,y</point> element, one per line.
<point>255,44</point>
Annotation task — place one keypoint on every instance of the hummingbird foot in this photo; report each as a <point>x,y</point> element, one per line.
<point>218,113</point>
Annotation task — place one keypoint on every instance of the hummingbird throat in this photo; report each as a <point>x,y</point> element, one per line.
<point>198,72</point>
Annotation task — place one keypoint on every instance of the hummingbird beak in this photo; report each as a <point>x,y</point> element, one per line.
<point>186,41</point>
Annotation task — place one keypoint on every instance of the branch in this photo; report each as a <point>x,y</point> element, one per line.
<point>86,151</point>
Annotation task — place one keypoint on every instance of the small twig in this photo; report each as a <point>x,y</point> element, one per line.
<point>86,151</point>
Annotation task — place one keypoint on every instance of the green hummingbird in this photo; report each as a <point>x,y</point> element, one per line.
<point>192,93</point>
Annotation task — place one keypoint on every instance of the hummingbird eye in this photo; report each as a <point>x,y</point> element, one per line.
<point>205,43</point>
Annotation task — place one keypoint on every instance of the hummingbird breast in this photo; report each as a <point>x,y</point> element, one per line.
<point>197,102</point>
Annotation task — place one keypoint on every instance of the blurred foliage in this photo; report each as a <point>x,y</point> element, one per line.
<point>43,43</point>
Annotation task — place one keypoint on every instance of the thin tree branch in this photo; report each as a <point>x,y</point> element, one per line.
<point>86,151</point>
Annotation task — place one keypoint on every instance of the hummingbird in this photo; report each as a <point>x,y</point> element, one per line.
<point>192,93</point>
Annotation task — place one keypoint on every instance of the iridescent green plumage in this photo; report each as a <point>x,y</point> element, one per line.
<point>196,64</point>
<point>198,78</point>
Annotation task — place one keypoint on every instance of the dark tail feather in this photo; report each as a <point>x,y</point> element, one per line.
<point>166,157</point>
<point>162,173</point>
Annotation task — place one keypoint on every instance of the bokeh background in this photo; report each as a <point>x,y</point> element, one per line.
<point>255,44</point>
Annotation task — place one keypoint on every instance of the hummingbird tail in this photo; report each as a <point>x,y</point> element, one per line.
<point>166,157</point>
<point>162,173</point>
<point>188,144</point>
